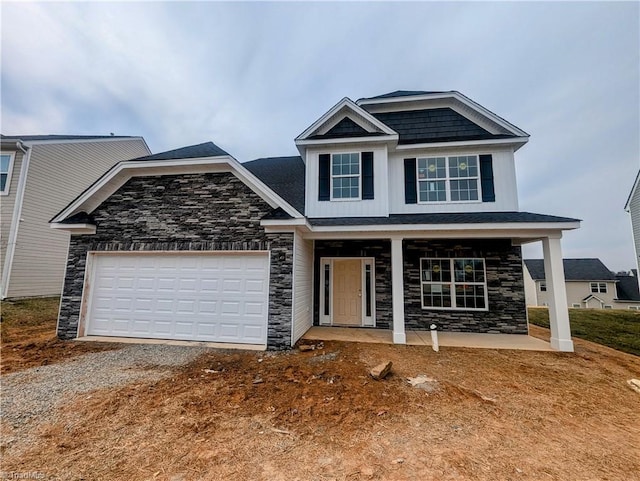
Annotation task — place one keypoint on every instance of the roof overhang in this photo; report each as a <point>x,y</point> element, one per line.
<point>120,173</point>
<point>515,142</point>
<point>520,231</point>
<point>633,190</point>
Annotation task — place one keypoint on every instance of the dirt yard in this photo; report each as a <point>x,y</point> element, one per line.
<point>490,415</point>
<point>29,337</point>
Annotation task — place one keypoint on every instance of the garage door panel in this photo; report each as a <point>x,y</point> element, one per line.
<point>220,298</point>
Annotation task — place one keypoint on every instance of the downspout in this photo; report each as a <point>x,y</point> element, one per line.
<point>15,219</point>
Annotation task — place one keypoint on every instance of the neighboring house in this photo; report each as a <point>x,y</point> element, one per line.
<point>628,294</point>
<point>632,206</point>
<point>39,175</point>
<point>400,212</point>
<point>589,285</point>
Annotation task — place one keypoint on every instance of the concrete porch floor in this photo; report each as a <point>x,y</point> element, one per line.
<point>423,338</point>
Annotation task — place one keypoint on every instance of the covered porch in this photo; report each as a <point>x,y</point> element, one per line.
<point>423,338</point>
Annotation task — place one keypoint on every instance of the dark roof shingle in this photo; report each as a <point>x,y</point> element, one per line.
<point>443,218</point>
<point>402,93</point>
<point>434,125</point>
<point>285,175</point>
<point>627,288</point>
<point>206,149</point>
<point>574,270</point>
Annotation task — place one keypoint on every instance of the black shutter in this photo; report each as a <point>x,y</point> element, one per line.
<point>486,178</point>
<point>367,175</point>
<point>324,179</point>
<point>410,182</point>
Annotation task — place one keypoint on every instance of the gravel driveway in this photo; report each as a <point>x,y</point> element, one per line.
<point>29,398</point>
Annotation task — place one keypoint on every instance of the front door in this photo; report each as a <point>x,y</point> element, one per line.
<point>347,292</point>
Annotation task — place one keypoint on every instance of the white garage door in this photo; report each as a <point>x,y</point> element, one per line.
<point>199,297</point>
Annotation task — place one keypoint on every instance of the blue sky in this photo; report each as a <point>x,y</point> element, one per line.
<point>252,76</point>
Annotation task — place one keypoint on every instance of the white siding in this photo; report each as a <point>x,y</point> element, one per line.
<point>302,286</point>
<point>634,210</point>
<point>377,207</point>
<point>57,174</point>
<point>530,286</point>
<point>7,203</point>
<point>504,174</point>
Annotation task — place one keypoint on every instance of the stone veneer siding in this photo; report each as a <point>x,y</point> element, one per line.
<point>378,249</point>
<point>190,212</point>
<point>505,287</point>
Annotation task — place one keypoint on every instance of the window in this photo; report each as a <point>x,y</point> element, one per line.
<point>448,179</point>
<point>608,306</point>
<point>345,176</point>
<point>634,308</point>
<point>576,306</point>
<point>453,284</point>
<point>6,162</point>
<point>599,287</point>
<point>543,286</point>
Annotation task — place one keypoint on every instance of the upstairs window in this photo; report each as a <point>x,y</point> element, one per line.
<point>6,161</point>
<point>345,176</point>
<point>448,179</point>
<point>599,287</point>
<point>543,286</point>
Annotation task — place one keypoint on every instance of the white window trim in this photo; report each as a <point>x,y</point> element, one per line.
<point>598,287</point>
<point>12,158</point>
<point>607,306</point>
<point>447,181</point>
<point>346,199</point>
<point>326,319</point>
<point>453,284</point>
<point>541,285</point>
<point>576,306</point>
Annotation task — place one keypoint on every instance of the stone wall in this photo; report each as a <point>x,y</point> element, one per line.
<point>192,212</point>
<point>505,287</point>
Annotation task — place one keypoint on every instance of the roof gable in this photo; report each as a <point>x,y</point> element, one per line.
<point>627,288</point>
<point>332,125</point>
<point>574,270</point>
<point>168,163</point>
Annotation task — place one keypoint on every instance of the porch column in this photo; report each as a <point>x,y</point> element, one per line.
<point>556,290</point>
<point>397,291</point>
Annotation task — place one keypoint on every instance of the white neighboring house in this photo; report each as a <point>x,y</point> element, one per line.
<point>633,208</point>
<point>39,175</point>
<point>589,285</point>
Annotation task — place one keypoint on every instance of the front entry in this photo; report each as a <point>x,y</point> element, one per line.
<point>347,291</point>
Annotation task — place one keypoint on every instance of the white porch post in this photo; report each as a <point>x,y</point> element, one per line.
<point>558,310</point>
<point>397,291</point>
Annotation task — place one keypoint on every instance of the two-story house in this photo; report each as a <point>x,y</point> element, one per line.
<point>39,175</point>
<point>589,285</point>
<point>400,212</point>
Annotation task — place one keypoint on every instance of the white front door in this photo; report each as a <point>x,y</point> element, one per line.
<point>218,297</point>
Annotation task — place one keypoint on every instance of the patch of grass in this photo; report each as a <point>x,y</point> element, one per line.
<point>29,312</point>
<point>617,329</point>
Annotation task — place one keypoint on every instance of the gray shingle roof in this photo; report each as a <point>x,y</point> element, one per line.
<point>34,138</point>
<point>207,149</point>
<point>285,175</point>
<point>402,93</point>
<point>442,218</point>
<point>434,125</point>
<point>574,270</point>
<point>627,288</point>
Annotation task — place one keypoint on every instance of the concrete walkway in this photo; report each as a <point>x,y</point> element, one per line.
<point>423,338</point>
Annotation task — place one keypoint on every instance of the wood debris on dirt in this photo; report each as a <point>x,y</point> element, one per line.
<point>381,371</point>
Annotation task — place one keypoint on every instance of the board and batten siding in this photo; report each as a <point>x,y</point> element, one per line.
<point>302,286</point>
<point>378,206</point>
<point>7,204</point>
<point>58,173</point>
<point>504,175</point>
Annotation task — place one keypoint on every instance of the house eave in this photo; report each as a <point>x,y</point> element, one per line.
<point>349,140</point>
<point>76,229</point>
<point>516,142</point>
